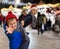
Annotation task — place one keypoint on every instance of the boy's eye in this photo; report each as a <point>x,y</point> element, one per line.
<point>14,22</point>
<point>11,24</point>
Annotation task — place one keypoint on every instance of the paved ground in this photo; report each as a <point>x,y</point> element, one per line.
<point>3,40</point>
<point>48,40</point>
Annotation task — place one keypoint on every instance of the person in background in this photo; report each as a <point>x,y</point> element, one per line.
<point>57,24</point>
<point>36,18</point>
<point>22,17</point>
<point>1,20</point>
<point>50,19</point>
<point>44,27</point>
<point>25,19</point>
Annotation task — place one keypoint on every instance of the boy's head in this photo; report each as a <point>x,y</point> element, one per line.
<point>11,20</point>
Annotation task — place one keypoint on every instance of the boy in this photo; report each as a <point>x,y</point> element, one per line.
<point>14,36</point>
<point>19,39</point>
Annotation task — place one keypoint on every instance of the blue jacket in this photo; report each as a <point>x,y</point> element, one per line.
<point>15,39</point>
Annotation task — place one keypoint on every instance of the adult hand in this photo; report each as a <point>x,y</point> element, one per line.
<point>22,22</point>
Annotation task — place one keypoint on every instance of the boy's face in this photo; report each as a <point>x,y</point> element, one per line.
<point>13,24</point>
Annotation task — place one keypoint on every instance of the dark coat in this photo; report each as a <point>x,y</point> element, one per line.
<point>22,17</point>
<point>26,39</point>
<point>27,19</point>
<point>37,22</point>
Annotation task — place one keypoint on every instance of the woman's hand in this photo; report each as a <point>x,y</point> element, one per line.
<point>22,23</point>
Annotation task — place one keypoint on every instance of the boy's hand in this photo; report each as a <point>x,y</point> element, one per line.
<point>9,29</point>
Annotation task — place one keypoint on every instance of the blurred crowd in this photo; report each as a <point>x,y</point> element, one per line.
<point>40,17</point>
